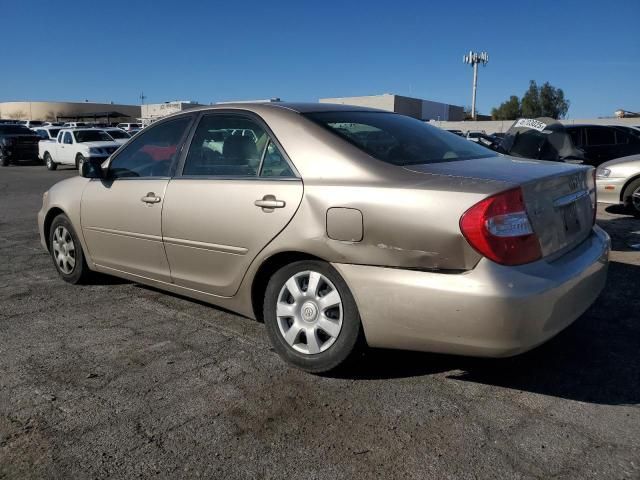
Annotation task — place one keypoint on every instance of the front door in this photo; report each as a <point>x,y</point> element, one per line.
<point>121,215</point>
<point>65,149</point>
<point>236,192</point>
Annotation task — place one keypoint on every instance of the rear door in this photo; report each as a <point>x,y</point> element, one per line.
<point>234,192</point>
<point>121,215</point>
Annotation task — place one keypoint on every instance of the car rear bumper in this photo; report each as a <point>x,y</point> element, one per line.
<point>610,189</point>
<point>491,311</point>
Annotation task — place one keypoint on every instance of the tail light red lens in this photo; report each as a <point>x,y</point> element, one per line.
<point>498,227</point>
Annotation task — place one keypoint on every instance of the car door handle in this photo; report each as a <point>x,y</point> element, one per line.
<point>150,198</point>
<point>269,201</point>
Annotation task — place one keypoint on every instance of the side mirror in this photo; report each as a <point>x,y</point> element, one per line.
<point>92,168</point>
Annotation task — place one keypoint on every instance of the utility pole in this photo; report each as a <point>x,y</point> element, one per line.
<point>473,59</point>
<point>142,97</point>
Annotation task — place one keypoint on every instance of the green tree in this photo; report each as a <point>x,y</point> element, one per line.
<point>552,101</point>
<point>509,110</point>
<point>544,101</point>
<point>531,107</point>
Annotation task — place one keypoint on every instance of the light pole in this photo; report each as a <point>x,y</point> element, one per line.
<point>473,59</point>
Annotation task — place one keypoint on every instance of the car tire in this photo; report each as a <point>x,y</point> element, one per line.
<point>324,328</point>
<point>66,251</point>
<point>4,161</point>
<point>49,163</point>
<point>631,197</point>
<point>79,161</point>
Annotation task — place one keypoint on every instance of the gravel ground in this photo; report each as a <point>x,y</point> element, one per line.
<point>117,380</point>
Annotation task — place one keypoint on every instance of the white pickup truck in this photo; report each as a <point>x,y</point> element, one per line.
<point>75,145</point>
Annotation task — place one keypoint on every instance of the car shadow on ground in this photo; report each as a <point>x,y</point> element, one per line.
<point>595,360</point>
<point>624,230</point>
<point>25,163</point>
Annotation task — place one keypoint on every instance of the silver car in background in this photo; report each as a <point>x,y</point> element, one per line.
<point>618,182</point>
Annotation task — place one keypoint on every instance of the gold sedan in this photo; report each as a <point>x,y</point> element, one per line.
<point>338,227</point>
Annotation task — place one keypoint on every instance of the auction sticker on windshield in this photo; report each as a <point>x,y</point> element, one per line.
<point>531,123</point>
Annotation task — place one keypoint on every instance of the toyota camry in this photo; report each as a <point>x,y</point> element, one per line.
<point>339,227</point>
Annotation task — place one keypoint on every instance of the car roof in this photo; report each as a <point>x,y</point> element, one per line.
<point>302,107</point>
<point>583,125</point>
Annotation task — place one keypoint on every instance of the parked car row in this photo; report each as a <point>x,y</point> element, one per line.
<point>548,139</point>
<point>56,145</point>
<point>49,142</point>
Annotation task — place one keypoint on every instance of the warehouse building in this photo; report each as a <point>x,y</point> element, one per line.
<point>156,111</point>
<point>413,107</point>
<point>69,111</point>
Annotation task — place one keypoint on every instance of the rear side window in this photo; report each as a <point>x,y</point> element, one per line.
<point>226,145</point>
<point>274,164</point>
<point>398,139</point>
<point>151,153</point>
<point>601,136</point>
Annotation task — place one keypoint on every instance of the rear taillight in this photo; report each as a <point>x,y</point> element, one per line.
<point>498,227</point>
<point>591,185</point>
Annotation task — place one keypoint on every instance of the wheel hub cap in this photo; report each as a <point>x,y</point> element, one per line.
<point>64,250</point>
<point>309,312</point>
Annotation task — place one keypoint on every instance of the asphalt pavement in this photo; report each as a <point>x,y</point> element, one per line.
<point>118,380</point>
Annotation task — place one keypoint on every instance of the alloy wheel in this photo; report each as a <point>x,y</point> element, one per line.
<point>64,250</point>
<point>309,312</point>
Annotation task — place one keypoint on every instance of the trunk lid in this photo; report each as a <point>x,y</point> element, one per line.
<point>559,197</point>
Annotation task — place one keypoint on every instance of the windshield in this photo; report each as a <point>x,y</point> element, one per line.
<point>14,130</point>
<point>398,139</point>
<point>82,136</point>
<point>117,133</point>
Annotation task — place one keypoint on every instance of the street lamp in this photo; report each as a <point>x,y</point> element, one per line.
<point>473,59</point>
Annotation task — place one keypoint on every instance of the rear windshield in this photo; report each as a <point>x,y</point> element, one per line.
<point>398,139</point>
<point>91,136</point>
<point>14,130</point>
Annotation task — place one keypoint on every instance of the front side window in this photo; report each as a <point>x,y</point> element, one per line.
<point>67,138</point>
<point>226,145</point>
<point>397,139</point>
<point>151,153</point>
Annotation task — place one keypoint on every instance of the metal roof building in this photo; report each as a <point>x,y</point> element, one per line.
<point>413,107</point>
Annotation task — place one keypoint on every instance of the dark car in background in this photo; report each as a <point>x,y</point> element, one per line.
<point>601,143</point>
<point>548,139</point>
<point>540,139</point>
<point>17,142</point>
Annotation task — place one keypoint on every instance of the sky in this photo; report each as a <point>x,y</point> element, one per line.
<point>303,50</point>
